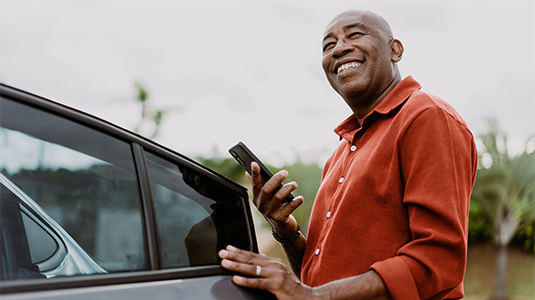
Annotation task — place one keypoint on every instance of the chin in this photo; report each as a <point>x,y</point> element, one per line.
<point>352,90</point>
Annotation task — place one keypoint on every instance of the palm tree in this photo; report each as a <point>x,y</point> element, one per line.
<point>505,190</point>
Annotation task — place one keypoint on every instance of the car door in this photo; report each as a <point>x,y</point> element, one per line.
<point>90,210</point>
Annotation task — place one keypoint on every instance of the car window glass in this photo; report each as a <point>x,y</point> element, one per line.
<point>82,185</point>
<point>195,216</point>
<point>15,251</point>
<point>41,244</point>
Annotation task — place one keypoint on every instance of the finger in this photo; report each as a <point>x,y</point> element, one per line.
<point>245,269</point>
<point>275,181</point>
<point>256,179</point>
<point>284,192</point>
<point>289,207</point>
<point>271,184</point>
<point>254,283</point>
<point>269,202</point>
<point>265,201</point>
<point>242,256</point>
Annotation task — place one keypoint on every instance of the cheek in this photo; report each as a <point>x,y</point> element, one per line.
<point>325,65</point>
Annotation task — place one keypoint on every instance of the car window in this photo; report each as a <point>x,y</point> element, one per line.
<point>76,188</point>
<point>195,216</point>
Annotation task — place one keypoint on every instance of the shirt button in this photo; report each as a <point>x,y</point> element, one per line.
<point>328,214</point>
<point>341,179</point>
<point>353,148</point>
<point>317,251</point>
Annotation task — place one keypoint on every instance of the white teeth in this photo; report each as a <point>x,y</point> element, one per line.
<point>348,66</point>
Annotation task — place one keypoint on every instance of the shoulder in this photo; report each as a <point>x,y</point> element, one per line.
<point>421,103</point>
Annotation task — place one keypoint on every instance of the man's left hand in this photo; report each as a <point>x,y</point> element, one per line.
<point>262,272</point>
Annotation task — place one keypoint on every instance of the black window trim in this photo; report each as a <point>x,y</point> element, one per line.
<point>149,218</point>
<point>138,144</point>
<point>97,280</point>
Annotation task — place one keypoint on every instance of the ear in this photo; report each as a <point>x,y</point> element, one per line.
<point>397,51</point>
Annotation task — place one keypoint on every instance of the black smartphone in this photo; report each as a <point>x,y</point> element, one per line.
<point>245,157</point>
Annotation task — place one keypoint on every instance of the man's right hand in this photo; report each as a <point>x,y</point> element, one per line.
<point>278,214</point>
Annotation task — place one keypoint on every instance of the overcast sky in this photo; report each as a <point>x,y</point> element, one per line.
<point>230,71</point>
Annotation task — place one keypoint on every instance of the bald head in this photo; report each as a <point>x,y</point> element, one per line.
<point>372,20</point>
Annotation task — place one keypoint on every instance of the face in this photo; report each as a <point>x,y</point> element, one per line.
<point>358,56</point>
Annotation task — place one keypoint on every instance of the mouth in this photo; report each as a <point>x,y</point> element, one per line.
<point>348,66</point>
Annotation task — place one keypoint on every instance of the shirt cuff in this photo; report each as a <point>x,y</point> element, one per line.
<point>397,277</point>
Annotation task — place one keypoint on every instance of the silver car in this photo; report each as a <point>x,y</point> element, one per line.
<point>51,249</point>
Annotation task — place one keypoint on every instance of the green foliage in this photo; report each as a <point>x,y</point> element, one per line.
<point>503,200</point>
<point>151,118</point>
<point>307,176</point>
<point>525,236</point>
<point>142,94</point>
<point>227,167</point>
<point>158,115</point>
<point>479,226</point>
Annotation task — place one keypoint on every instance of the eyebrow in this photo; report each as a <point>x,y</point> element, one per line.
<point>347,27</point>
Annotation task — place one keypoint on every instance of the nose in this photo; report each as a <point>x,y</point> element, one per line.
<point>341,48</point>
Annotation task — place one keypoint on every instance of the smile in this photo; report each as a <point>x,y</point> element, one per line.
<point>348,66</point>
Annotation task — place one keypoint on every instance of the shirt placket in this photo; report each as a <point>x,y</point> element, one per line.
<point>350,154</point>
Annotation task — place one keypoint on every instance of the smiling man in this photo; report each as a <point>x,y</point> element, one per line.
<point>390,218</point>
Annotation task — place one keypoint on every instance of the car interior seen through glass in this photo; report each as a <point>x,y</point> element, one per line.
<point>196,217</point>
<point>81,182</point>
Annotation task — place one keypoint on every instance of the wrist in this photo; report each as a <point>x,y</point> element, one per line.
<point>317,293</point>
<point>284,229</point>
<point>286,240</point>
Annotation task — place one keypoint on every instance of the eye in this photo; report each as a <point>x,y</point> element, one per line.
<point>354,35</point>
<point>328,46</point>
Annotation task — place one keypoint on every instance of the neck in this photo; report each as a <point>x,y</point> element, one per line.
<point>362,107</point>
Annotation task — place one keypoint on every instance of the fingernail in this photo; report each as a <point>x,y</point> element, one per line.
<point>223,253</point>
<point>225,263</point>
<point>231,248</point>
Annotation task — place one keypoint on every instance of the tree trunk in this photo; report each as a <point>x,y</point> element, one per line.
<point>501,273</point>
<point>504,231</point>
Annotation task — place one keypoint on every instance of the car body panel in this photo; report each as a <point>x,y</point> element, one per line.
<point>206,288</point>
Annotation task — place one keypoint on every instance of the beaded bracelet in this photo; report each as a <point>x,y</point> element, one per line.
<point>285,241</point>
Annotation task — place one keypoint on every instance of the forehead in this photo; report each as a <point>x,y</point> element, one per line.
<point>363,20</point>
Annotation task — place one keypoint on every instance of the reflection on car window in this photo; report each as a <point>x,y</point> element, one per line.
<point>195,216</point>
<point>17,262</point>
<point>80,183</point>
<point>41,244</point>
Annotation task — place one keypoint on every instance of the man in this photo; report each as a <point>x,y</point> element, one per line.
<point>391,215</point>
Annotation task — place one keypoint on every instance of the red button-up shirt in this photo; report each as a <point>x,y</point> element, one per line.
<point>394,198</point>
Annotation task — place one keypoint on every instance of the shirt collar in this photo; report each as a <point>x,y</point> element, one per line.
<point>394,99</point>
